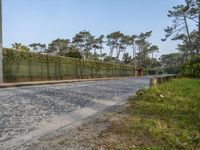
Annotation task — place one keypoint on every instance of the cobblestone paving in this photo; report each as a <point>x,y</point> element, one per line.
<point>22,109</point>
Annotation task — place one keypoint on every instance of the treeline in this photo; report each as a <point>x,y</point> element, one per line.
<point>185,28</point>
<point>84,45</point>
<point>171,63</point>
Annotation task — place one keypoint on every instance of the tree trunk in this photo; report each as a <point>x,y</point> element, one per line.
<point>124,52</point>
<point>111,51</point>
<point>198,44</point>
<point>188,35</point>
<point>95,50</point>
<point>101,54</point>
<point>133,49</point>
<point>118,54</point>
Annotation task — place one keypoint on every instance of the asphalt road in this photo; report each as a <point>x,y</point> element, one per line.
<point>28,113</point>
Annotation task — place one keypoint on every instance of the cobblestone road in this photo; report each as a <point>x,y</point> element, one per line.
<point>24,109</point>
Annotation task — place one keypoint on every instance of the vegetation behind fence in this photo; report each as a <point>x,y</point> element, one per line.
<point>24,66</point>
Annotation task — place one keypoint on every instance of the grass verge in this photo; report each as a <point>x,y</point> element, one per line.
<point>166,117</point>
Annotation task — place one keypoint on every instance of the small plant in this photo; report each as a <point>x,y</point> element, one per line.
<point>61,141</point>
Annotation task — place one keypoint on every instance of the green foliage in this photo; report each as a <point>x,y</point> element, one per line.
<point>13,55</point>
<point>20,47</point>
<point>165,117</point>
<point>145,48</point>
<point>146,71</point>
<point>172,70</point>
<point>184,16</point>
<point>74,54</point>
<point>110,59</point>
<point>171,113</point>
<point>38,47</point>
<point>85,42</point>
<point>91,47</point>
<point>192,68</point>
<point>58,46</point>
<point>24,66</point>
<point>127,58</point>
<point>172,63</point>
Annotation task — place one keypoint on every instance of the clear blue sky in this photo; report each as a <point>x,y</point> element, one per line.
<point>28,21</point>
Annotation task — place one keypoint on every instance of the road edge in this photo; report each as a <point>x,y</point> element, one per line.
<point>20,84</point>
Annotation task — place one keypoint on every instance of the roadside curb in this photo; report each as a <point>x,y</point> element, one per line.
<point>154,81</point>
<point>9,85</point>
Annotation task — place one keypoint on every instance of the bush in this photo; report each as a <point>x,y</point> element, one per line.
<point>172,70</point>
<point>74,54</point>
<point>192,68</point>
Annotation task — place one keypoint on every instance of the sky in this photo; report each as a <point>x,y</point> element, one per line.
<point>30,21</point>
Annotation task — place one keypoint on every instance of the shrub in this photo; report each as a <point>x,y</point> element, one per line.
<point>172,70</point>
<point>74,54</point>
<point>192,68</point>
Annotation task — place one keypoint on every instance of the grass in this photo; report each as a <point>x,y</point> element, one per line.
<point>166,117</point>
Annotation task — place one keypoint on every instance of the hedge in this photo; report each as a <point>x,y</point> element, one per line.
<point>24,66</point>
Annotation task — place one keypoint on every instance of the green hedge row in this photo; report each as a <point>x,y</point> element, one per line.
<point>23,66</point>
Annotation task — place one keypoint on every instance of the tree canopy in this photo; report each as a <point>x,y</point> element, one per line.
<point>129,49</point>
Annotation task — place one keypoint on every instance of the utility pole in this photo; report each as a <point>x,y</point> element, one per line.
<point>1,45</point>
